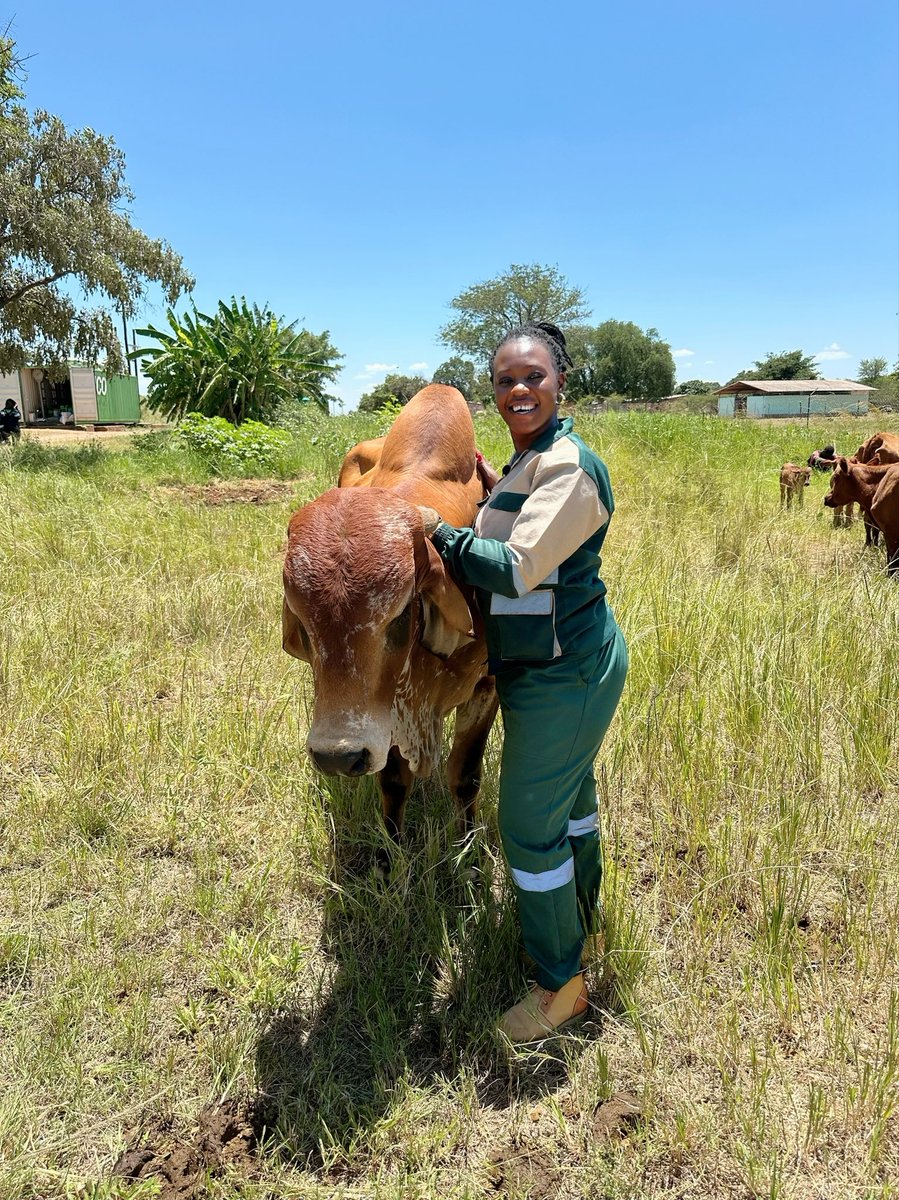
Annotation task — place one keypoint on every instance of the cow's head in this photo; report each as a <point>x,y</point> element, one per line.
<point>842,490</point>
<point>805,474</point>
<point>365,593</point>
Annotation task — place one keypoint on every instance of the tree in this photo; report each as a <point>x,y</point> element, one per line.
<point>396,389</point>
<point>697,387</point>
<point>239,364</point>
<point>457,372</point>
<point>618,358</point>
<point>789,364</point>
<point>523,293</point>
<point>63,219</point>
<point>871,371</point>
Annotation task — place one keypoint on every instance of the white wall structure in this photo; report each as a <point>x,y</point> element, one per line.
<point>792,398</point>
<point>84,394</point>
<point>9,386</point>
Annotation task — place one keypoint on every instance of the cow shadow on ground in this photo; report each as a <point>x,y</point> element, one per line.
<point>405,991</point>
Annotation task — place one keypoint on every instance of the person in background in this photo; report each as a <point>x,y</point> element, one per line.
<point>824,459</point>
<point>10,421</point>
<point>559,659</point>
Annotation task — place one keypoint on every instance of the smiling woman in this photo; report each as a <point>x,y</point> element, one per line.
<point>560,661</point>
<point>527,379</point>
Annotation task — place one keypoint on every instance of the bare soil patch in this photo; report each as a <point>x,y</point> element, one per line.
<point>225,1138</point>
<point>79,437</point>
<point>231,491</point>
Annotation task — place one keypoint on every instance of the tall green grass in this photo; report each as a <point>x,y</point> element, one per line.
<point>188,913</point>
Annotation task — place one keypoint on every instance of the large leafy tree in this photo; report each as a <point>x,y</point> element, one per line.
<point>485,311</point>
<point>619,358</point>
<point>871,371</point>
<point>396,389</point>
<point>697,387</point>
<point>67,245</point>
<point>788,364</point>
<point>242,363</point>
<point>457,372</point>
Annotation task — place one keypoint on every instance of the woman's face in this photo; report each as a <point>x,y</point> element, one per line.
<point>526,386</point>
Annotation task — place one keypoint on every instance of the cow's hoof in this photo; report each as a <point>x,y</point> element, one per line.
<point>383,865</point>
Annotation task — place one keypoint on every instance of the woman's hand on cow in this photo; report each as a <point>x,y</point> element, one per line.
<point>430,517</point>
<point>487,474</point>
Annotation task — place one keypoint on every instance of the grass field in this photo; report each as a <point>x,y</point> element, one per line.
<point>199,969</point>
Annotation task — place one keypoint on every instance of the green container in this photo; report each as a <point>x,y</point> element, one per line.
<point>118,401</point>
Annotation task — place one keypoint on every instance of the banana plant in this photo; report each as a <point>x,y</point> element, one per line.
<point>240,363</point>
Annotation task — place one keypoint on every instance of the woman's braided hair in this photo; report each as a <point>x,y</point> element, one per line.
<point>550,335</point>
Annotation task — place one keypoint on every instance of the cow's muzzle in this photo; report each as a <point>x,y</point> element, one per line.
<point>342,762</point>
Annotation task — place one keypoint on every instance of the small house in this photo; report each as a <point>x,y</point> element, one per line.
<point>792,398</point>
<point>83,396</point>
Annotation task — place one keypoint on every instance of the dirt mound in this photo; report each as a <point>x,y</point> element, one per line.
<point>231,491</point>
<point>534,1163</point>
<point>515,1170</point>
<point>226,1137</point>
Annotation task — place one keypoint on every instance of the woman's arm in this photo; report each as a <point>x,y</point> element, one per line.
<point>562,512</point>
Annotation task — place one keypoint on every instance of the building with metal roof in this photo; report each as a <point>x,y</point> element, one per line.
<point>792,397</point>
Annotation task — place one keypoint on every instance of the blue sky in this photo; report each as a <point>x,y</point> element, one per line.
<point>725,173</point>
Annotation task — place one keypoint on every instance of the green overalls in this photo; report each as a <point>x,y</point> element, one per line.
<point>560,663</point>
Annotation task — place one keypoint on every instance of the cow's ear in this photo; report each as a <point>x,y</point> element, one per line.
<point>448,623</point>
<point>293,635</point>
<point>842,463</point>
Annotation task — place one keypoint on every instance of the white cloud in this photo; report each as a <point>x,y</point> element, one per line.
<point>709,362</point>
<point>374,369</point>
<point>831,353</point>
<point>682,353</point>
<point>422,366</point>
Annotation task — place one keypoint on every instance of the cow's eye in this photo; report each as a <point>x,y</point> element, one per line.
<point>398,630</point>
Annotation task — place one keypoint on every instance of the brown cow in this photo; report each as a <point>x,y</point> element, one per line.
<point>876,490</point>
<point>392,641</point>
<point>879,449</point>
<point>359,462</point>
<point>793,479</point>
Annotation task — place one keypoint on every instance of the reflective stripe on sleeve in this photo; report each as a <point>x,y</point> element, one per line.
<point>544,881</point>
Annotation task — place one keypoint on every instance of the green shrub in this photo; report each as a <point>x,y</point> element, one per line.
<point>28,455</point>
<point>249,446</point>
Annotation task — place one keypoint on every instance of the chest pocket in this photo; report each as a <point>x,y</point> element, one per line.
<point>507,501</point>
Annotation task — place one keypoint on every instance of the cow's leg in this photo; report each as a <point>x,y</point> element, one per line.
<point>473,721</point>
<point>395,780</point>
<point>872,532</point>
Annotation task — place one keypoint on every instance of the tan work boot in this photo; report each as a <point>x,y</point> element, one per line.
<point>542,1012</point>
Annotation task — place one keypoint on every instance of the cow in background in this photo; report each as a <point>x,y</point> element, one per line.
<point>793,480</point>
<point>879,449</point>
<point>393,642</point>
<point>875,488</point>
